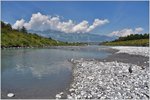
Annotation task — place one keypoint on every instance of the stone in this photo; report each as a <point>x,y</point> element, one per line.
<point>10,95</point>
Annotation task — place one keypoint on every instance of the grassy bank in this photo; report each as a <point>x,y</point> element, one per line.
<point>138,42</point>
<point>18,39</point>
<point>21,38</point>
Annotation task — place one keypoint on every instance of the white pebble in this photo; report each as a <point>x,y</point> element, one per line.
<point>71,90</point>
<point>61,93</point>
<point>58,96</point>
<point>10,95</point>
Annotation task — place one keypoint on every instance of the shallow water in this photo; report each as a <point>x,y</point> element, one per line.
<point>41,73</point>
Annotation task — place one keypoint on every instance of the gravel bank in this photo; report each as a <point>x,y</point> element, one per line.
<point>109,80</point>
<point>123,75</point>
<point>143,51</point>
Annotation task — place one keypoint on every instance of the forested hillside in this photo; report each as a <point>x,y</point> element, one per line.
<point>130,40</point>
<point>21,38</point>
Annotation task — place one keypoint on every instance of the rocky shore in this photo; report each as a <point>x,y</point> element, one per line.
<point>115,77</point>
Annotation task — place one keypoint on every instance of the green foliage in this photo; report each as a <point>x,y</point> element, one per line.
<point>23,30</point>
<point>133,37</point>
<point>5,26</point>
<point>16,38</point>
<point>139,42</point>
<point>130,40</point>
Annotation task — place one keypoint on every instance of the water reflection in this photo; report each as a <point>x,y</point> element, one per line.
<point>40,71</point>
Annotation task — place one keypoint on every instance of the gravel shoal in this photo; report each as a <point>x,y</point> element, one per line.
<point>122,75</point>
<point>143,51</point>
<point>109,80</point>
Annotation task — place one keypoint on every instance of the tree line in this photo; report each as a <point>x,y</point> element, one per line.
<point>133,37</point>
<point>8,27</point>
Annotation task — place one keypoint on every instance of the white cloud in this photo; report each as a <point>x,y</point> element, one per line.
<point>126,31</point>
<point>19,24</point>
<point>138,30</point>
<point>41,22</point>
<point>96,23</point>
<point>5,22</point>
<point>81,27</point>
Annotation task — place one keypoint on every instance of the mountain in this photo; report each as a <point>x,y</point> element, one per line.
<point>74,37</point>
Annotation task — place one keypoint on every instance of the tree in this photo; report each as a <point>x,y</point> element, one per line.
<point>23,29</point>
<point>133,37</point>
<point>6,26</point>
<point>3,24</point>
<point>50,38</point>
<point>9,27</point>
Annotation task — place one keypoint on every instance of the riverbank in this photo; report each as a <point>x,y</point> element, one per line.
<point>138,42</point>
<point>46,46</point>
<point>122,75</point>
<point>30,47</point>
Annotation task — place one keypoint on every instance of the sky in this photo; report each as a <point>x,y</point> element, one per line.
<point>112,18</point>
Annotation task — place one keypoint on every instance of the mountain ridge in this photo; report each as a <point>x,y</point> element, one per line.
<point>74,37</point>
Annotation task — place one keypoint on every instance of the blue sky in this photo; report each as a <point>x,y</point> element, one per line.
<point>121,14</point>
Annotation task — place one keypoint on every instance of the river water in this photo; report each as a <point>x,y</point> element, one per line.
<point>41,73</point>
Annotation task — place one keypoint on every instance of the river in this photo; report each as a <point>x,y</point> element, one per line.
<point>41,73</point>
